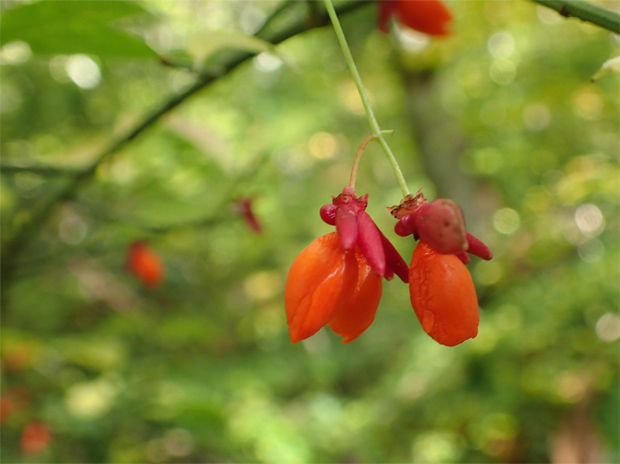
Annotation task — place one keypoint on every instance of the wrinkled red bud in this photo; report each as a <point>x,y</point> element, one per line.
<point>443,296</point>
<point>440,225</point>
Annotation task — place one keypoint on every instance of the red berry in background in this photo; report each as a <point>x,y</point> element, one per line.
<point>14,400</point>
<point>443,296</point>
<point>428,16</point>
<point>36,436</point>
<point>6,409</point>
<point>145,264</point>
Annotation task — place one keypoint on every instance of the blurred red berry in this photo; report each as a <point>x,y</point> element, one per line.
<point>443,296</point>
<point>15,399</point>
<point>145,264</point>
<point>36,436</point>
<point>6,409</point>
<point>428,16</point>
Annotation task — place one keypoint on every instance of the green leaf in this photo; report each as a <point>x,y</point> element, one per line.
<point>205,43</point>
<point>61,27</point>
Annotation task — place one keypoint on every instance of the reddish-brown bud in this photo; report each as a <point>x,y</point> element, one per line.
<point>440,225</point>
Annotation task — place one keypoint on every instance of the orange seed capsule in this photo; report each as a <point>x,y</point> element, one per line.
<point>320,280</point>
<point>443,296</point>
<point>359,311</point>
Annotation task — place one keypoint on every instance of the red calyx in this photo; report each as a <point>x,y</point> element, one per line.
<point>355,227</point>
<point>440,225</point>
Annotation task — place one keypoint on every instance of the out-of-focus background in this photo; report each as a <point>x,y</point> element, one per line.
<point>502,117</point>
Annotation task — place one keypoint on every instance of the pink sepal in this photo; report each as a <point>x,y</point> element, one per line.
<point>477,248</point>
<point>370,242</point>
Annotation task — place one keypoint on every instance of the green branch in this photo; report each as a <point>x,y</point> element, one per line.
<point>51,171</point>
<point>13,247</point>
<point>586,11</point>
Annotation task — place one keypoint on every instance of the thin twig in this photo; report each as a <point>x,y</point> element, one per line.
<point>586,11</point>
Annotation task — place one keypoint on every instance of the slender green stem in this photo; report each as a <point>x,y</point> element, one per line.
<point>586,11</point>
<point>372,120</point>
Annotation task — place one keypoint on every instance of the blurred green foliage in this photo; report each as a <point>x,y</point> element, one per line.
<point>201,369</point>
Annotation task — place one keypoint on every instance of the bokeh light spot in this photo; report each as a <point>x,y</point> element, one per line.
<point>502,71</point>
<point>536,117</point>
<point>437,447</point>
<point>90,399</point>
<point>506,221</point>
<point>263,285</point>
<point>72,230</point>
<point>83,71</point>
<point>590,220</point>
<point>488,273</point>
<point>588,104</point>
<point>266,62</point>
<point>15,53</point>
<point>608,327</point>
<point>322,145</point>
<point>501,45</point>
